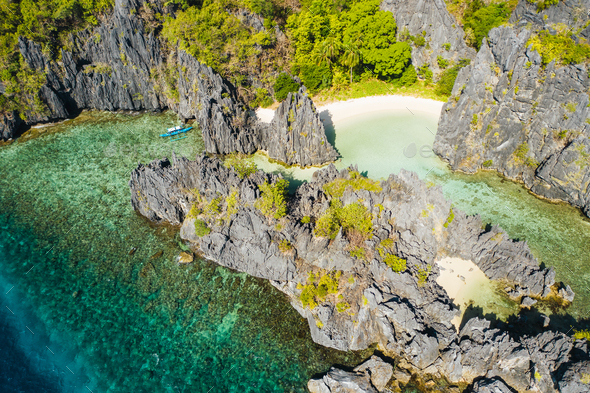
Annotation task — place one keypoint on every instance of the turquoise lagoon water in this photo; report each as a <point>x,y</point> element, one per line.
<point>89,313</point>
<point>381,143</point>
<point>109,319</point>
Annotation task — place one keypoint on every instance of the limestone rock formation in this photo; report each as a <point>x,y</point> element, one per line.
<point>431,18</point>
<point>9,124</point>
<point>365,301</point>
<point>490,386</point>
<point>296,134</point>
<point>370,377</point>
<point>528,122</point>
<point>120,65</point>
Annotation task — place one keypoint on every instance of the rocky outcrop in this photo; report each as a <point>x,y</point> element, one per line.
<point>572,13</point>
<point>431,19</point>
<point>490,386</point>
<point>9,124</point>
<point>123,65</point>
<point>529,122</point>
<point>371,377</point>
<point>296,134</point>
<point>357,299</point>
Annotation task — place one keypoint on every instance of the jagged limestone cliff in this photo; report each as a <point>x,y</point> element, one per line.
<point>356,258</point>
<point>431,19</point>
<point>123,65</point>
<point>528,120</point>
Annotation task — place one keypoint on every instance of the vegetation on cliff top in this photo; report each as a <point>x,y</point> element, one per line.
<point>478,18</point>
<point>47,22</point>
<point>560,47</point>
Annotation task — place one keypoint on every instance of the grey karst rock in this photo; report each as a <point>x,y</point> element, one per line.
<point>528,121</point>
<point>440,28</point>
<point>528,302</point>
<point>120,65</point>
<point>379,371</point>
<point>407,318</point>
<point>340,381</point>
<point>492,385</point>
<point>370,377</point>
<point>296,134</point>
<point>207,97</point>
<point>575,378</point>
<point>567,293</point>
<point>573,13</point>
<point>9,124</point>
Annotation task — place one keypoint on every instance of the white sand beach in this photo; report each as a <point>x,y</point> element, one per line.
<point>341,110</point>
<point>464,281</point>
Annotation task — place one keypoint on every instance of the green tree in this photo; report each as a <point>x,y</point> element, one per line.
<point>284,85</point>
<point>327,51</point>
<point>352,56</point>
<point>479,19</point>
<point>392,61</point>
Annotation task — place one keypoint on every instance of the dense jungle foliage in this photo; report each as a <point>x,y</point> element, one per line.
<point>325,44</point>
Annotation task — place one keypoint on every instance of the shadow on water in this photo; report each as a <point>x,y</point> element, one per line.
<point>528,322</point>
<point>329,127</point>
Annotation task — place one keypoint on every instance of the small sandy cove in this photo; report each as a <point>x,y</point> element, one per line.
<point>464,281</point>
<point>346,109</point>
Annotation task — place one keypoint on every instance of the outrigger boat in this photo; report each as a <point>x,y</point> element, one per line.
<point>171,132</point>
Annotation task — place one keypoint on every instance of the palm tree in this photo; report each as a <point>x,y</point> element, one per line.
<point>328,50</point>
<point>352,56</point>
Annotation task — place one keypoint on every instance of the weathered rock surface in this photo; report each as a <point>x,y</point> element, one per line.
<point>490,386</point>
<point>407,317</point>
<point>528,122</point>
<point>370,377</point>
<point>122,65</point>
<point>572,13</point>
<point>296,134</point>
<point>440,27</point>
<point>9,123</point>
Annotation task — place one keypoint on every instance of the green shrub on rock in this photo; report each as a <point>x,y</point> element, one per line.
<point>357,181</point>
<point>201,228</point>
<point>318,288</point>
<point>243,167</point>
<point>396,263</point>
<point>273,202</point>
<point>354,217</point>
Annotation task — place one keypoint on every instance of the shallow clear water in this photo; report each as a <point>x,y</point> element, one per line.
<point>558,234</point>
<point>105,318</point>
<point>115,320</point>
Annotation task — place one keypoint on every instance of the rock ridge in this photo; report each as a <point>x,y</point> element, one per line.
<point>528,123</point>
<point>439,27</point>
<point>406,313</point>
<point>122,65</point>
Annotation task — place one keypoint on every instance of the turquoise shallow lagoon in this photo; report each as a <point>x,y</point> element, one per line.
<point>104,317</point>
<point>384,142</point>
<point>112,319</point>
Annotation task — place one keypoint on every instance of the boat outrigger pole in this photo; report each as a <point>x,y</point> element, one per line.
<point>171,132</point>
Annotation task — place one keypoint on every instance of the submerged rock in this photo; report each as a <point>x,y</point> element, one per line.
<point>343,283</point>
<point>185,257</point>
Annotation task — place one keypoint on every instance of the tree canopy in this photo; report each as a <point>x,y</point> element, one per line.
<point>358,40</point>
